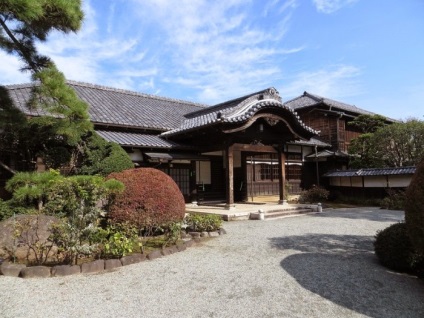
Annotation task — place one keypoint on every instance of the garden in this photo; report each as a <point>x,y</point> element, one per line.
<point>56,220</point>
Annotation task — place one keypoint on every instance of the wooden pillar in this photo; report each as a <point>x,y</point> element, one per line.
<point>282,175</point>
<point>192,182</point>
<point>229,176</point>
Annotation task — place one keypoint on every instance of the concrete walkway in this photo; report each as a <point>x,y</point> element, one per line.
<point>316,265</point>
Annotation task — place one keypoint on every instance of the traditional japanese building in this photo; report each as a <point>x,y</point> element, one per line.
<point>233,151</point>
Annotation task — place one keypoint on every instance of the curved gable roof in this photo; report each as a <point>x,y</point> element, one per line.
<point>240,110</point>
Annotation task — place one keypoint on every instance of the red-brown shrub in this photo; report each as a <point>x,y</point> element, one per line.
<point>151,198</point>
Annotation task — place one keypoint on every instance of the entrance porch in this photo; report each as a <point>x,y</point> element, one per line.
<point>250,211</point>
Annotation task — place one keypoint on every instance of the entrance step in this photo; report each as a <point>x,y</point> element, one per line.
<point>278,213</point>
<point>215,203</point>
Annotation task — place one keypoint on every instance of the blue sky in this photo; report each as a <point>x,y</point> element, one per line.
<point>369,53</point>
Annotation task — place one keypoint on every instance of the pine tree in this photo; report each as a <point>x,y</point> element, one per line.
<point>58,137</point>
<point>22,24</point>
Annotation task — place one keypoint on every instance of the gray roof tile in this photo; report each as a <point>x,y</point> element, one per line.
<point>307,100</point>
<point>311,142</point>
<point>138,140</point>
<point>372,172</point>
<point>117,107</point>
<point>328,153</point>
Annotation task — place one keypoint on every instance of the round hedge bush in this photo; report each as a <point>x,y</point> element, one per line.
<point>394,248</point>
<point>414,209</point>
<point>150,199</point>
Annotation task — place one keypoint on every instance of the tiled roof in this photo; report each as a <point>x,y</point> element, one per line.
<point>372,172</point>
<point>138,140</point>
<point>176,156</point>
<point>117,107</point>
<point>311,142</point>
<point>307,100</point>
<point>328,153</point>
<point>234,111</point>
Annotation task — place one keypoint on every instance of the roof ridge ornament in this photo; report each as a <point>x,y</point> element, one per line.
<point>272,121</point>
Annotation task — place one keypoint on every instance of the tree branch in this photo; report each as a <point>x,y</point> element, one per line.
<point>19,46</point>
<point>2,164</point>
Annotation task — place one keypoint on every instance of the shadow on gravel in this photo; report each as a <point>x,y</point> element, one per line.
<point>371,214</point>
<point>344,270</point>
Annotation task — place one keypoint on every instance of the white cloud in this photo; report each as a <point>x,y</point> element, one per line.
<point>99,55</point>
<point>216,49</point>
<point>10,73</point>
<point>330,6</point>
<point>279,6</point>
<point>336,82</point>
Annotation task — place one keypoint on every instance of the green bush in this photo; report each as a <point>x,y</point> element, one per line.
<point>10,208</point>
<point>151,199</point>
<point>395,200</point>
<point>203,222</point>
<point>172,233</point>
<point>314,195</point>
<point>394,248</point>
<point>117,240</point>
<point>5,210</point>
<point>102,157</point>
<point>414,209</point>
<point>51,193</point>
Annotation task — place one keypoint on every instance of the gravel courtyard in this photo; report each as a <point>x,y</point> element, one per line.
<point>317,265</point>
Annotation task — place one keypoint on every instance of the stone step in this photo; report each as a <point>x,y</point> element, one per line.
<point>286,212</point>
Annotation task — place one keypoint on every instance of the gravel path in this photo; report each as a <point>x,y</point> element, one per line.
<point>319,265</point>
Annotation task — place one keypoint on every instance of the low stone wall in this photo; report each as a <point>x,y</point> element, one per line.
<point>21,270</point>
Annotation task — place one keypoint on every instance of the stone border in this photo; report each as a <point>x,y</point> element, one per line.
<point>21,270</point>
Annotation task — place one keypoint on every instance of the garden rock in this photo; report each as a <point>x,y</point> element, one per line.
<point>185,235</point>
<point>222,231</point>
<point>213,234</point>
<point>112,263</point>
<point>66,270</point>
<point>204,234</point>
<point>132,259</point>
<point>154,254</point>
<point>8,242</point>
<point>169,250</point>
<point>93,267</point>
<point>194,234</point>
<point>181,246</point>
<point>11,269</point>
<point>35,272</point>
<point>189,243</point>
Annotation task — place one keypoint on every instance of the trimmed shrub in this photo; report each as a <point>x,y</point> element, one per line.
<point>5,210</point>
<point>203,222</point>
<point>151,199</point>
<point>414,209</point>
<point>395,200</point>
<point>103,157</point>
<point>314,195</point>
<point>394,248</point>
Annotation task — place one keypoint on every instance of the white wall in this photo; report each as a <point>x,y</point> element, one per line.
<point>396,181</point>
<point>399,181</point>
<point>203,172</point>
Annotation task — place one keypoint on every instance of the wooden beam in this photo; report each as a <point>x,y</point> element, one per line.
<point>254,148</point>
